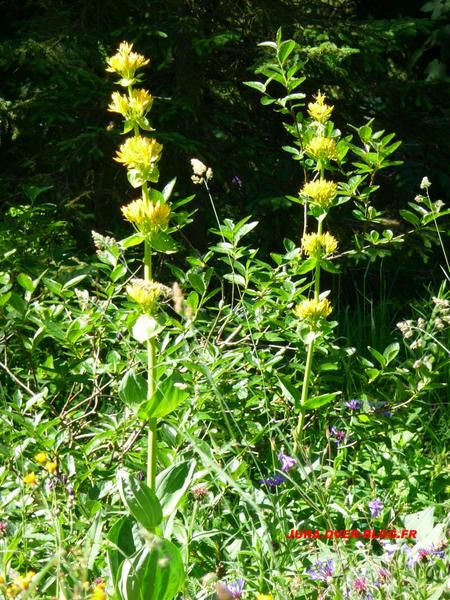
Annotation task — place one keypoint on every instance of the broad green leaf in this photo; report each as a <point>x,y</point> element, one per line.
<point>290,391</point>
<point>169,393</point>
<point>123,546</point>
<point>172,483</point>
<point>320,400</point>
<point>146,328</point>
<point>26,282</point>
<point>140,500</point>
<point>133,389</point>
<point>132,240</point>
<point>153,573</point>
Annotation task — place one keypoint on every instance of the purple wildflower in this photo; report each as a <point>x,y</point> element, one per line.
<point>353,404</point>
<point>338,435</point>
<point>380,407</point>
<point>375,507</point>
<point>321,570</point>
<point>237,181</point>
<point>287,462</point>
<point>360,584</point>
<point>383,574</point>
<point>235,588</point>
<point>273,481</point>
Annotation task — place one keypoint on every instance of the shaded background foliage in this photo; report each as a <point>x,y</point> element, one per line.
<point>381,60</point>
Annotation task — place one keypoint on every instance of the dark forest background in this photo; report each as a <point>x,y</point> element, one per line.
<point>386,60</point>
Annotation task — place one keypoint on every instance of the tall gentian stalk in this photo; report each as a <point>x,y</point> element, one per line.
<point>149,213</point>
<point>319,194</point>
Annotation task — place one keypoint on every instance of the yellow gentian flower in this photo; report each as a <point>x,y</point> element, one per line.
<point>314,244</point>
<point>320,191</point>
<point>322,148</point>
<point>137,104</point>
<point>318,110</point>
<point>313,309</point>
<point>139,152</point>
<point>146,293</point>
<point>126,62</point>
<point>147,217</point>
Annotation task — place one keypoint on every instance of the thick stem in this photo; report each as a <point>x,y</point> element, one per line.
<point>151,452</point>
<point>317,272</point>
<point>304,396</point>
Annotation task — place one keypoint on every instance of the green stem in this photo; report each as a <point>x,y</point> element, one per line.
<point>317,272</point>
<point>151,350</point>
<point>304,396</point>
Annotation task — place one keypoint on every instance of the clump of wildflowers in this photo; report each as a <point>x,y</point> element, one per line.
<point>375,507</point>
<point>145,216</point>
<point>312,310</point>
<point>264,597</point>
<point>319,110</point>
<point>273,481</point>
<point>322,570</point>
<point>287,462</point>
<point>337,434</point>
<point>132,107</point>
<point>319,244</point>
<point>322,148</point>
<point>321,191</point>
<point>353,404</point>
<point>360,584</point>
<point>20,584</point>
<point>235,588</point>
<point>146,293</point>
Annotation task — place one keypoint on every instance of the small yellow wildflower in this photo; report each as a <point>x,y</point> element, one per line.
<point>51,467</point>
<point>30,478</point>
<point>23,582</point>
<point>126,62</point>
<point>313,309</point>
<point>318,245</point>
<point>321,192</point>
<point>264,597</point>
<point>145,216</point>
<point>318,110</point>
<point>135,105</point>
<point>146,293</point>
<point>139,152</point>
<point>2,580</point>
<point>99,592</point>
<point>41,458</point>
<point>322,148</point>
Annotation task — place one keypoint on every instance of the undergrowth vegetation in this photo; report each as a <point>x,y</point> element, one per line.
<point>202,427</point>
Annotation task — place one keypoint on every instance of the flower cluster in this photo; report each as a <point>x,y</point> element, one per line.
<point>319,110</point>
<point>135,105</point>
<point>312,310</point>
<point>320,192</point>
<point>322,570</point>
<point>146,293</point>
<point>322,148</point>
<point>141,154</point>
<point>146,216</point>
<point>200,171</point>
<point>48,465</point>
<point>19,584</point>
<point>126,62</point>
<point>319,244</point>
<point>375,507</point>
